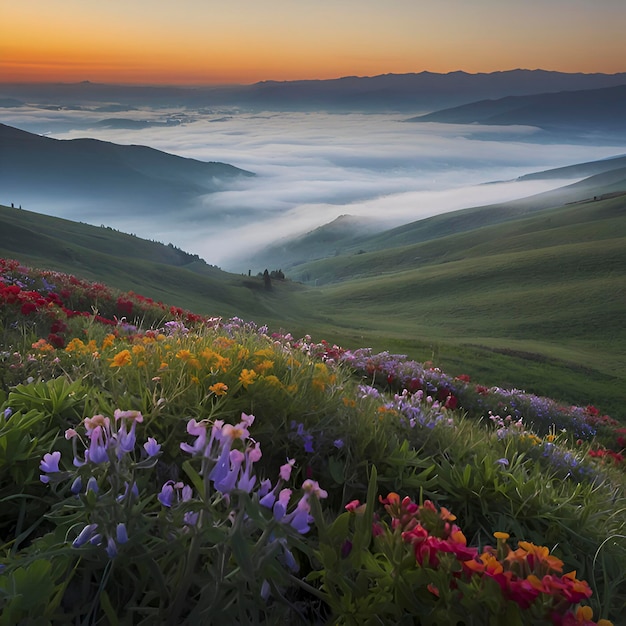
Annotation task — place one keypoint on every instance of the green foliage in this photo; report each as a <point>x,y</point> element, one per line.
<point>228,555</point>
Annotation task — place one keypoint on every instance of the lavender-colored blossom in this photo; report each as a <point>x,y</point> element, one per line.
<point>121,533</point>
<point>97,452</point>
<point>151,447</point>
<point>8,412</point>
<point>300,519</point>
<point>85,535</point>
<point>166,495</point>
<point>228,480</point>
<point>50,462</point>
<point>92,485</point>
<point>111,548</point>
<point>280,507</point>
<point>338,443</point>
<point>77,485</point>
<point>199,431</point>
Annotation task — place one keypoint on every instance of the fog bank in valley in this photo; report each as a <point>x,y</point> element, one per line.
<point>313,167</point>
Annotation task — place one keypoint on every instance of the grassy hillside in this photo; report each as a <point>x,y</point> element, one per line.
<point>349,234</point>
<point>130,263</point>
<point>536,303</point>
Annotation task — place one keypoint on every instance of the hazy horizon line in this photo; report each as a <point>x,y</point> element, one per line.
<point>183,85</point>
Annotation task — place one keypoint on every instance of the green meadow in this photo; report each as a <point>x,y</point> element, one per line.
<point>535,302</point>
<point>159,464</point>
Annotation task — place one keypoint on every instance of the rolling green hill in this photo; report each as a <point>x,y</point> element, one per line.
<point>535,300</point>
<point>130,263</point>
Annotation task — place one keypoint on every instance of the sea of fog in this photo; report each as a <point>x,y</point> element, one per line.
<point>313,167</point>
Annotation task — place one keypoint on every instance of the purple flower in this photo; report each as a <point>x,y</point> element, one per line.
<point>50,463</point>
<point>77,485</point>
<point>308,443</point>
<point>121,533</point>
<point>280,508</point>
<point>8,412</point>
<point>92,485</point>
<point>85,535</point>
<point>338,443</point>
<point>111,548</point>
<point>125,440</point>
<point>301,517</point>
<point>152,447</point>
<point>166,496</point>
<point>228,479</point>
<point>198,429</point>
<point>97,452</point>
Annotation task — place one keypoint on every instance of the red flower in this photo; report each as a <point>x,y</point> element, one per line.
<point>28,308</point>
<point>56,340</point>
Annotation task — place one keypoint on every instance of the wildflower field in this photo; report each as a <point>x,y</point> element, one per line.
<point>159,467</point>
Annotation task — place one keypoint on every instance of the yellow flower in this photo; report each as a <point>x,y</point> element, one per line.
<point>265,365</point>
<point>243,354</point>
<point>121,359</point>
<point>184,355</point>
<point>193,362</point>
<point>195,380</point>
<point>273,380</point>
<point>138,349</point>
<point>266,353</point>
<point>219,389</point>
<point>247,377</point>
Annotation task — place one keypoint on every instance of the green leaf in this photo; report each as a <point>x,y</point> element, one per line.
<point>108,609</point>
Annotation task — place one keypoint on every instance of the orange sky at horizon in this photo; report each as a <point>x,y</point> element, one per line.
<point>196,42</point>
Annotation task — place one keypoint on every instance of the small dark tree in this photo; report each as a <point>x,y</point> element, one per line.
<point>267,280</point>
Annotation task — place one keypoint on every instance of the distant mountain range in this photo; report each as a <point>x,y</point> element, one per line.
<point>424,91</point>
<point>121,178</point>
<point>589,110</point>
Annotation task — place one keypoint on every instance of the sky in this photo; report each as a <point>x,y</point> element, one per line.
<point>195,42</point>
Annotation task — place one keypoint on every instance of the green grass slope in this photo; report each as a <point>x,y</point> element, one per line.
<point>538,303</point>
<point>130,263</point>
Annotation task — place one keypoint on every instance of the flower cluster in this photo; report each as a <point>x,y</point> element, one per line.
<point>104,477</point>
<point>528,576</point>
<point>228,454</point>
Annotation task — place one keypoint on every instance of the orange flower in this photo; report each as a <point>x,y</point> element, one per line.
<point>247,377</point>
<point>43,346</point>
<point>121,359</point>
<point>219,389</point>
<point>108,341</point>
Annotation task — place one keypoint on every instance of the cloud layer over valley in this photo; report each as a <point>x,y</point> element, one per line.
<point>311,168</point>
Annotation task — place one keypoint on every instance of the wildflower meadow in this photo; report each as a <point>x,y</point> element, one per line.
<point>162,467</point>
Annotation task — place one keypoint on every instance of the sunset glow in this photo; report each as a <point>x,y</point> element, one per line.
<point>244,41</point>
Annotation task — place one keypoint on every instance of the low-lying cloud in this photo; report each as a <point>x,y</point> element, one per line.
<point>313,167</point>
